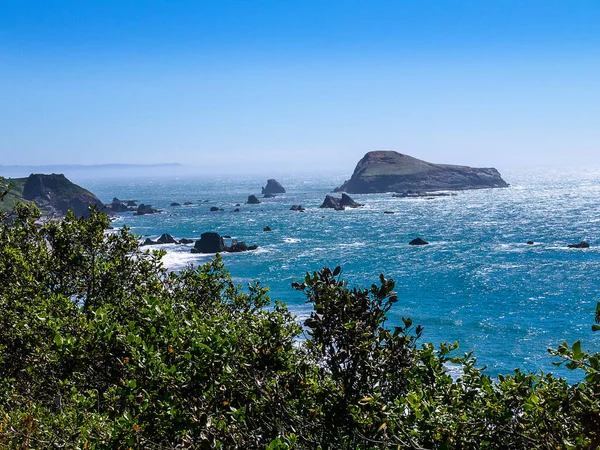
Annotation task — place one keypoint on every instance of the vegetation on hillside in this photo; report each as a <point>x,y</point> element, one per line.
<point>101,347</point>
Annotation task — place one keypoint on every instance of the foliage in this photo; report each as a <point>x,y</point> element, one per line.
<point>101,347</point>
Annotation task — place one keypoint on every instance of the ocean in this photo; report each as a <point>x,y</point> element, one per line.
<point>477,282</point>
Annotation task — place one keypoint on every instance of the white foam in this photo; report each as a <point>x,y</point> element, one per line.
<point>289,240</point>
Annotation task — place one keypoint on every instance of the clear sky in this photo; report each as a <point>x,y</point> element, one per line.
<point>237,85</point>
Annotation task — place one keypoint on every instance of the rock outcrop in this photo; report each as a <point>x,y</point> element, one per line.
<point>582,244</point>
<point>55,195</point>
<point>418,241</point>
<point>339,204</point>
<point>389,171</point>
<point>273,187</point>
<point>298,208</point>
<point>166,239</point>
<point>211,242</point>
<point>145,209</point>
<point>252,200</point>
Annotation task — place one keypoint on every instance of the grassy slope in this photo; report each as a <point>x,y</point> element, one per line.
<point>14,195</point>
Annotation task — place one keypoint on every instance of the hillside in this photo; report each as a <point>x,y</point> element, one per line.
<point>54,194</point>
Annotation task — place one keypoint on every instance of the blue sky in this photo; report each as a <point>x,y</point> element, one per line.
<point>299,85</point>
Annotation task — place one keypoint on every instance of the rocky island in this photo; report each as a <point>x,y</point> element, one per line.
<point>389,171</point>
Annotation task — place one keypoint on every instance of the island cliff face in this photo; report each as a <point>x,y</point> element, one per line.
<point>389,171</point>
<point>56,195</point>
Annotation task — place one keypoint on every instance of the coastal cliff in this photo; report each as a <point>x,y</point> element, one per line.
<point>54,194</point>
<point>389,171</point>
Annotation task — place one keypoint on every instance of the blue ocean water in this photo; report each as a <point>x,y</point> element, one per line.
<point>478,282</point>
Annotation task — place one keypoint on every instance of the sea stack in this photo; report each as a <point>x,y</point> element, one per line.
<point>273,187</point>
<point>389,171</point>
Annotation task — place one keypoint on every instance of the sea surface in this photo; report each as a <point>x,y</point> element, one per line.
<point>478,282</point>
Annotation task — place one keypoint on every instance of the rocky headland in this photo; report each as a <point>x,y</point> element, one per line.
<point>54,194</point>
<point>389,171</point>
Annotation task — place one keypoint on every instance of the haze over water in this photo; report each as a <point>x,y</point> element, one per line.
<point>477,282</point>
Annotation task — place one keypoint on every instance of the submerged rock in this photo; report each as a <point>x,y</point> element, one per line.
<point>267,228</point>
<point>298,208</point>
<point>418,241</point>
<point>186,241</point>
<point>175,204</point>
<point>269,195</point>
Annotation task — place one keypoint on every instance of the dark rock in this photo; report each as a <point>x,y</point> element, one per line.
<point>582,244</point>
<point>388,171</point>
<point>388,212</point>
<point>187,203</point>
<point>267,228</point>
<point>418,241</point>
<point>186,241</point>
<point>166,239</point>
<point>237,204</point>
<point>273,187</point>
<point>529,242</point>
<point>339,203</point>
<point>145,209</point>
<point>209,242</point>
<point>132,203</point>
<point>148,241</point>
<point>269,195</point>
<point>213,208</point>
<point>252,200</point>
<point>237,247</point>
<point>236,210</point>
<point>175,204</point>
<point>118,206</point>
<point>298,208</point>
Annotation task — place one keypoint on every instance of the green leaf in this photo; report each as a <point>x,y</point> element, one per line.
<point>58,339</point>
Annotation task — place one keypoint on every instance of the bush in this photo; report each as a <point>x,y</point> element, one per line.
<point>101,347</point>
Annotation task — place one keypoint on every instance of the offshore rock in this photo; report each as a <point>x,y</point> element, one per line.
<point>269,195</point>
<point>209,242</point>
<point>389,171</point>
<point>273,187</point>
<point>298,208</point>
<point>582,244</point>
<point>166,239</point>
<point>145,209</point>
<point>418,241</point>
<point>252,200</point>
<point>339,204</point>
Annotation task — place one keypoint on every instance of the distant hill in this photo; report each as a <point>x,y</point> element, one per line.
<point>80,170</point>
<point>54,194</point>
<point>389,171</point>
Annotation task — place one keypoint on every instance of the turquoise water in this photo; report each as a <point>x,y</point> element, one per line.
<point>477,282</point>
